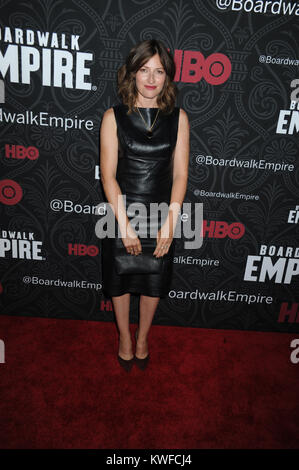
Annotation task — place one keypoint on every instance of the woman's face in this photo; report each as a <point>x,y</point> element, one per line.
<point>150,78</point>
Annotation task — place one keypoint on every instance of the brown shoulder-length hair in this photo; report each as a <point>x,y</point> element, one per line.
<point>137,57</point>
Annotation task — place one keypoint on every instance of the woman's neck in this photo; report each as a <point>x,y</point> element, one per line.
<point>144,103</point>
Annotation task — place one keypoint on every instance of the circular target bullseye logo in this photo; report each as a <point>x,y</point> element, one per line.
<point>217,69</point>
<point>10,192</point>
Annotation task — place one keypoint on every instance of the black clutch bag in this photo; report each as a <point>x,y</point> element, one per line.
<point>144,263</point>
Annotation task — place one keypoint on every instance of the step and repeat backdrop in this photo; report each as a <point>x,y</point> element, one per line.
<point>237,71</point>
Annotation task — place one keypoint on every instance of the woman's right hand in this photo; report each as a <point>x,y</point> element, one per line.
<point>132,242</point>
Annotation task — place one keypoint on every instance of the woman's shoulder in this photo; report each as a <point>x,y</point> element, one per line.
<point>180,115</point>
<point>109,119</point>
<point>109,112</point>
<point>112,113</point>
<point>115,108</point>
<point>183,116</point>
<point>115,115</point>
<point>181,111</point>
<point>119,110</point>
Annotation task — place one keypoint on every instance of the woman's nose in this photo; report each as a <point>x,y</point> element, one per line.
<point>151,77</point>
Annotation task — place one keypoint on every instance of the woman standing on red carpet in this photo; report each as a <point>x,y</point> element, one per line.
<point>144,156</point>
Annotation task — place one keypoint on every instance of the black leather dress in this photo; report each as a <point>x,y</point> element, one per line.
<point>144,174</point>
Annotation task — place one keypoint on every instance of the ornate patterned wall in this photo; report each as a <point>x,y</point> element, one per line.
<point>237,65</point>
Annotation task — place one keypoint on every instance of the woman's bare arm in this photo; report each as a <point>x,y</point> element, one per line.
<point>179,184</point>
<point>108,167</point>
<point>180,163</point>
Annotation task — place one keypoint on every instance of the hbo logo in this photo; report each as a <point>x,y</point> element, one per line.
<point>20,152</point>
<point>82,250</point>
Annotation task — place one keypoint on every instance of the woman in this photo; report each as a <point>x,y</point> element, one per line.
<point>144,156</point>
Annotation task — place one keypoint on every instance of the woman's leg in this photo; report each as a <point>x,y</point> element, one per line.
<point>147,308</point>
<point>121,305</point>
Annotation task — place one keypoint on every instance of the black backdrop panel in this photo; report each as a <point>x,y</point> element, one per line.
<point>237,65</point>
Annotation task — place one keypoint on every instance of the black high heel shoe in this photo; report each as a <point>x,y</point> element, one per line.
<point>140,363</point>
<point>126,364</point>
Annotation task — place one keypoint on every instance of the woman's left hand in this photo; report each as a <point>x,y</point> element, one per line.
<point>164,240</point>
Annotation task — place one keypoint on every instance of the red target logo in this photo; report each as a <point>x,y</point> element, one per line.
<point>10,192</point>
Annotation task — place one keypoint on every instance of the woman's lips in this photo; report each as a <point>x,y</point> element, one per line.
<point>150,87</point>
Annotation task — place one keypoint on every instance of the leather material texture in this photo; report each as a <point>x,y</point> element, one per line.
<point>144,174</point>
<point>144,263</point>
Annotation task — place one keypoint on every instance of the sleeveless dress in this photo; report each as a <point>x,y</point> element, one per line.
<point>144,174</point>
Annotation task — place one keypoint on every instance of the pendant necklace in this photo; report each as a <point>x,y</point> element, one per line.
<point>149,133</point>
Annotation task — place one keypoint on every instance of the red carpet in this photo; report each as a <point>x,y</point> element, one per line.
<point>62,387</point>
